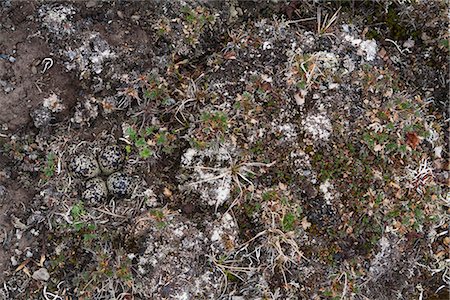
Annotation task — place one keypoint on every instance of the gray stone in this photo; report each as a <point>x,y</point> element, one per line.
<point>41,274</point>
<point>41,117</point>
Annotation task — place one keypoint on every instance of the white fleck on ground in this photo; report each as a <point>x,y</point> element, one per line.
<point>318,126</point>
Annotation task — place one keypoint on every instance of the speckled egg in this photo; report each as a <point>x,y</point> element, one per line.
<point>111,159</point>
<point>84,166</point>
<point>95,190</point>
<point>120,184</point>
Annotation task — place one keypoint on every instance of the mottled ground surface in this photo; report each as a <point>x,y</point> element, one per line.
<point>267,150</point>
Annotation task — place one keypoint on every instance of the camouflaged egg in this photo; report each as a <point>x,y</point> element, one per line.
<point>85,166</point>
<point>120,184</point>
<point>95,190</point>
<point>111,159</point>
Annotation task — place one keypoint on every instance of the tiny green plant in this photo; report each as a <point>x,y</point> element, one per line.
<point>139,139</point>
<point>145,153</point>
<point>49,169</point>
<point>288,222</point>
<point>215,121</point>
<point>77,211</point>
<point>213,126</point>
<point>196,20</point>
<point>132,134</point>
<point>159,217</point>
<point>149,140</point>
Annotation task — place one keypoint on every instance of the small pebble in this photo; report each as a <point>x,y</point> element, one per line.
<point>41,274</point>
<point>14,261</point>
<point>90,4</point>
<point>41,117</point>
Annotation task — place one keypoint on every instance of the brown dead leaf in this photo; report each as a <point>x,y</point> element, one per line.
<point>395,117</point>
<point>412,139</point>
<point>266,86</point>
<point>27,271</point>
<point>349,230</point>
<point>41,261</point>
<point>230,55</point>
<point>107,106</point>
<point>382,53</point>
<point>282,186</point>
<point>378,148</point>
<point>447,241</point>
<point>305,223</point>
<point>395,185</point>
<point>364,32</point>
<point>167,192</point>
<point>22,265</point>
<point>441,254</point>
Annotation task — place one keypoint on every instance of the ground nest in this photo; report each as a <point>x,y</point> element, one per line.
<point>224,150</point>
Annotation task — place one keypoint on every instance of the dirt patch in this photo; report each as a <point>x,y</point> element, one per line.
<point>15,206</point>
<point>25,84</point>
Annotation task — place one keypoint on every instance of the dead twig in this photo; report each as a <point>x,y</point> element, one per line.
<point>326,23</point>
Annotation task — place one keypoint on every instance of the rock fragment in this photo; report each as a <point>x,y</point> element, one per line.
<point>41,274</point>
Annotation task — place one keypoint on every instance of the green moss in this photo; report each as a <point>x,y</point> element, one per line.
<point>270,195</point>
<point>373,34</point>
<point>394,27</point>
<point>288,222</point>
<point>252,209</point>
<point>50,166</point>
<point>77,211</point>
<point>231,277</point>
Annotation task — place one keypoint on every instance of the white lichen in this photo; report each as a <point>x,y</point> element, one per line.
<point>223,233</point>
<point>327,189</point>
<point>327,60</point>
<point>213,180</point>
<point>288,131</point>
<point>90,56</point>
<point>365,47</point>
<point>85,111</point>
<point>53,103</point>
<point>57,18</point>
<point>318,126</point>
<point>369,47</point>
